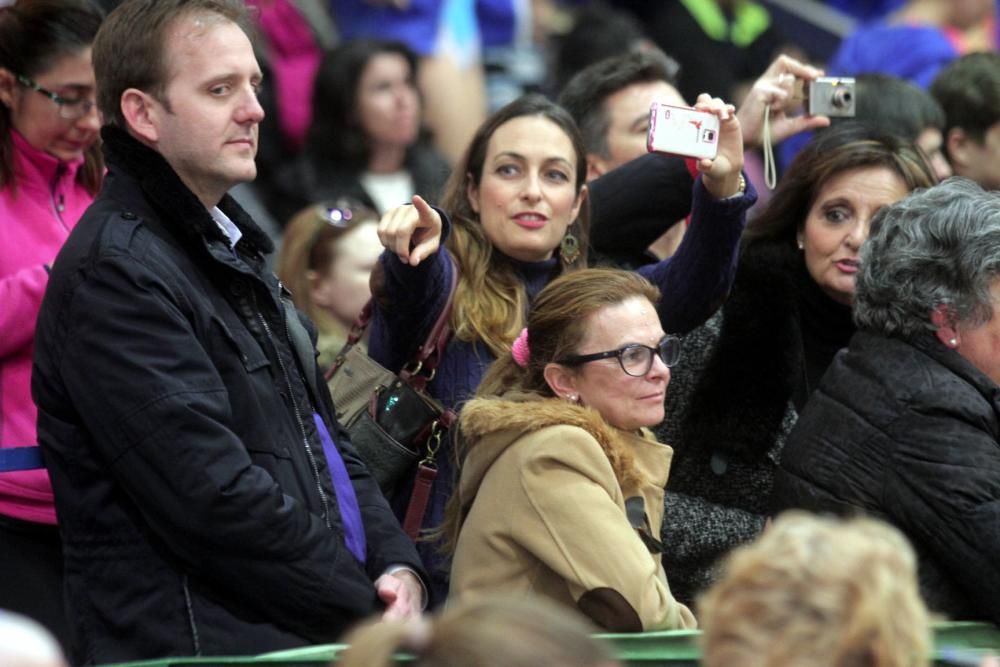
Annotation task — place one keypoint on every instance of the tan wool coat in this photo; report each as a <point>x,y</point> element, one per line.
<point>544,488</point>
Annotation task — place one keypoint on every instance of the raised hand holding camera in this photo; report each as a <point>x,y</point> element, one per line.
<point>831,96</point>
<point>709,132</point>
<point>682,131</point>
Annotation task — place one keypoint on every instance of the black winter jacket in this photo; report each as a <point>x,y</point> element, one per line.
<point>196,508</point>
<point>908,432</point>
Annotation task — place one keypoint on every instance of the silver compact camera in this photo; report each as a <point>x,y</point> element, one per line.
<point>831,96</point>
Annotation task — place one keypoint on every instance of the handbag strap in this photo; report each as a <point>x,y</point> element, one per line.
<point>419,370</point>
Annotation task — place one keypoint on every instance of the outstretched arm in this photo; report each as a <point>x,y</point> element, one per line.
<point>410,285</point>
<point>697,278</point>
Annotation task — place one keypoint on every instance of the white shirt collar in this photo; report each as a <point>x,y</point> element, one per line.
<point>227,226</point>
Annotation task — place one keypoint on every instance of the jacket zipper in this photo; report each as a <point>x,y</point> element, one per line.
<point>58,201</point>
<point>298,414</point>
<point>195,639</point>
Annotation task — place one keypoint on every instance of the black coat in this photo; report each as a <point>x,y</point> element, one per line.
<point>908,432</point>
<point>731,404</point>
<point>193,495</point>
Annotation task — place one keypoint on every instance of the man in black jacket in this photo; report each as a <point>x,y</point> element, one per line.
<point>209,503</point>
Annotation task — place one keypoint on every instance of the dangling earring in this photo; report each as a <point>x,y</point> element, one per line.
<point>801,244</point>
<point>569,248</point>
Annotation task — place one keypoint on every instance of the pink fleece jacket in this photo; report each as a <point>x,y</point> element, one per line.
<point>34,223</point>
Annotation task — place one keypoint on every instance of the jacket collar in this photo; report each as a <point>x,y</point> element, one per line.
<point>950,359</point>
<point>35,167</point>
<point>742,394</point>
<point>491,425</point>
<point>177,207</point>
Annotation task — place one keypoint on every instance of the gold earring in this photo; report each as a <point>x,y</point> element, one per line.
<point>569,248</point>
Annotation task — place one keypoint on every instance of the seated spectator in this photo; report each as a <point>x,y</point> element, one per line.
<point>905,424</point>
<point>610,102</point>
<point>817,592</point>
<point>749,370</point>
<point>447,38</point>
<point>561,483</point>
<point>365,141</point>
<point>50,170</point>
<point>519,206</point>
<point>969,92</point>
<point>326,261</point>
<point>501,631</point>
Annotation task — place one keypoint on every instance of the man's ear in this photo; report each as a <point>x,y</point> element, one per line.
<point>943,319</point>
<point>960,147</point>
<point>561,380</point>
<point>596,166</point>
<point>319,290</point>
<point>142,114</point>
<point>472,192</point>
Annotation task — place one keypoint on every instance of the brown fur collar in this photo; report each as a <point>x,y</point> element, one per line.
<point>523,413</point>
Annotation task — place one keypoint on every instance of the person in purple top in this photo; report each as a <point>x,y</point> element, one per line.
<point>519,217</point>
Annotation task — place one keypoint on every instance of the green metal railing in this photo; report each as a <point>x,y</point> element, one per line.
<point>671,648</point>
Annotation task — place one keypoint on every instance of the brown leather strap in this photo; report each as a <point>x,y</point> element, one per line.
<point>418,370</point>
<point>418,500</point>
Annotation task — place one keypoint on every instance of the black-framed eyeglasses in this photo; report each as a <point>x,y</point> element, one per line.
<point>635,358</point>
<point>69,108</point>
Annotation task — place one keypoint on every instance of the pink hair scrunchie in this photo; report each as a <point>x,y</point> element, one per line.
<point>519,350</point>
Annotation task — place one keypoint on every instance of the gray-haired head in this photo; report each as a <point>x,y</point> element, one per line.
<point>938,247</point>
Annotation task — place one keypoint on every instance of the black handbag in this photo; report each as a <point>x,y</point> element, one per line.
<point>394,424</point>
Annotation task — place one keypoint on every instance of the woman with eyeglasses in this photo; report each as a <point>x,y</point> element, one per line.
<point>750,369</point>
<point>50,171</point>
<point>560,490</point>
<point>327,255</point>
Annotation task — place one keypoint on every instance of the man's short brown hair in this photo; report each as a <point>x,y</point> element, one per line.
<point>129,50</point>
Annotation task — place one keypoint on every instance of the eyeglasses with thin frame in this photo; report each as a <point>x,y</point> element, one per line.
<point>635,358</point>
<point>69,109</point>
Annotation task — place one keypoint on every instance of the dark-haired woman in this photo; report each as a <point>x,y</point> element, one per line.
<point>365,141</point>
<point>750,369</point>
<point>50,170</point>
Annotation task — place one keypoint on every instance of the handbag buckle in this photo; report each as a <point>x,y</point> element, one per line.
<point>413,372</point>
<point>433,444</point>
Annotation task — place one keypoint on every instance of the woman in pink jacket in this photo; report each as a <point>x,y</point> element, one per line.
<point>50,170</point>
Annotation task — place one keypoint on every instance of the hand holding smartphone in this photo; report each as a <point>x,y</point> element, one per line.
<point>682,131</point>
